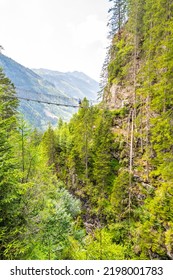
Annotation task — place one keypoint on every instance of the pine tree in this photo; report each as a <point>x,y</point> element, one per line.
<point>49,146</point>
<point>9,177</point>
<point>118,17</point>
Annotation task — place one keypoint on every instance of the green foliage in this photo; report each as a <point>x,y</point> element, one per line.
<point>101,246</point>
<point>120,196</point>
<point>9,193</point>
<point>119,64</point>
<point>143,63</point>
<point>36,212</point>
<point>87,157</point>
<point>48,143</point>
<point>157,220</point>
<point>100,186</point>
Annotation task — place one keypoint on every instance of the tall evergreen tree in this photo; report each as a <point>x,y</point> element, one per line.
<point>9,177</point>
<point>118,16</point>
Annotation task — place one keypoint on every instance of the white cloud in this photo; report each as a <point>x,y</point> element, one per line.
<point>63,35</point>
<point>87,32</point>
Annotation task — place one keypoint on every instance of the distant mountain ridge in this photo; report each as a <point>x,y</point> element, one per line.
<point>48,86</point>
<point>73,84</point>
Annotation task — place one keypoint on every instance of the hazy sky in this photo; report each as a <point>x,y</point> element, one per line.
<point>63,35</point>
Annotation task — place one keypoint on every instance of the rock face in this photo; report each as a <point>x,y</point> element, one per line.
<point>48,86</point>
<point>119,96</point>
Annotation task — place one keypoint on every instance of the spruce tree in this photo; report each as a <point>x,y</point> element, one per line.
<point>9,176</point>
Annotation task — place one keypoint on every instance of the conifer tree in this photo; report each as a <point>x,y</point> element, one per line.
<point>49,147</point>
<point>9,177</point>
<point>118,16</point>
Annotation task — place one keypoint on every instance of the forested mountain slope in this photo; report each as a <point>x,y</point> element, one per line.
<point>73,84</point>
<point>100,186</point>
<point>120,162</point>
<point>48,86</point>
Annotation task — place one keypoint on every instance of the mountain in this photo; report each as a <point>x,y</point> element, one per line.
<point>49,87</point>
<point>74,84</point>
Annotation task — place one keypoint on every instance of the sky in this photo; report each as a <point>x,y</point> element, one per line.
<point>61,35</point>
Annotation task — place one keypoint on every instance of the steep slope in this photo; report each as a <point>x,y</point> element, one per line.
<point>119,160</point>
<point>74,84</point>
<point>140,96</point>
<point>52,88</point>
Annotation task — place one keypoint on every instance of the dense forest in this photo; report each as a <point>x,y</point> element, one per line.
<point>101,186</point>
